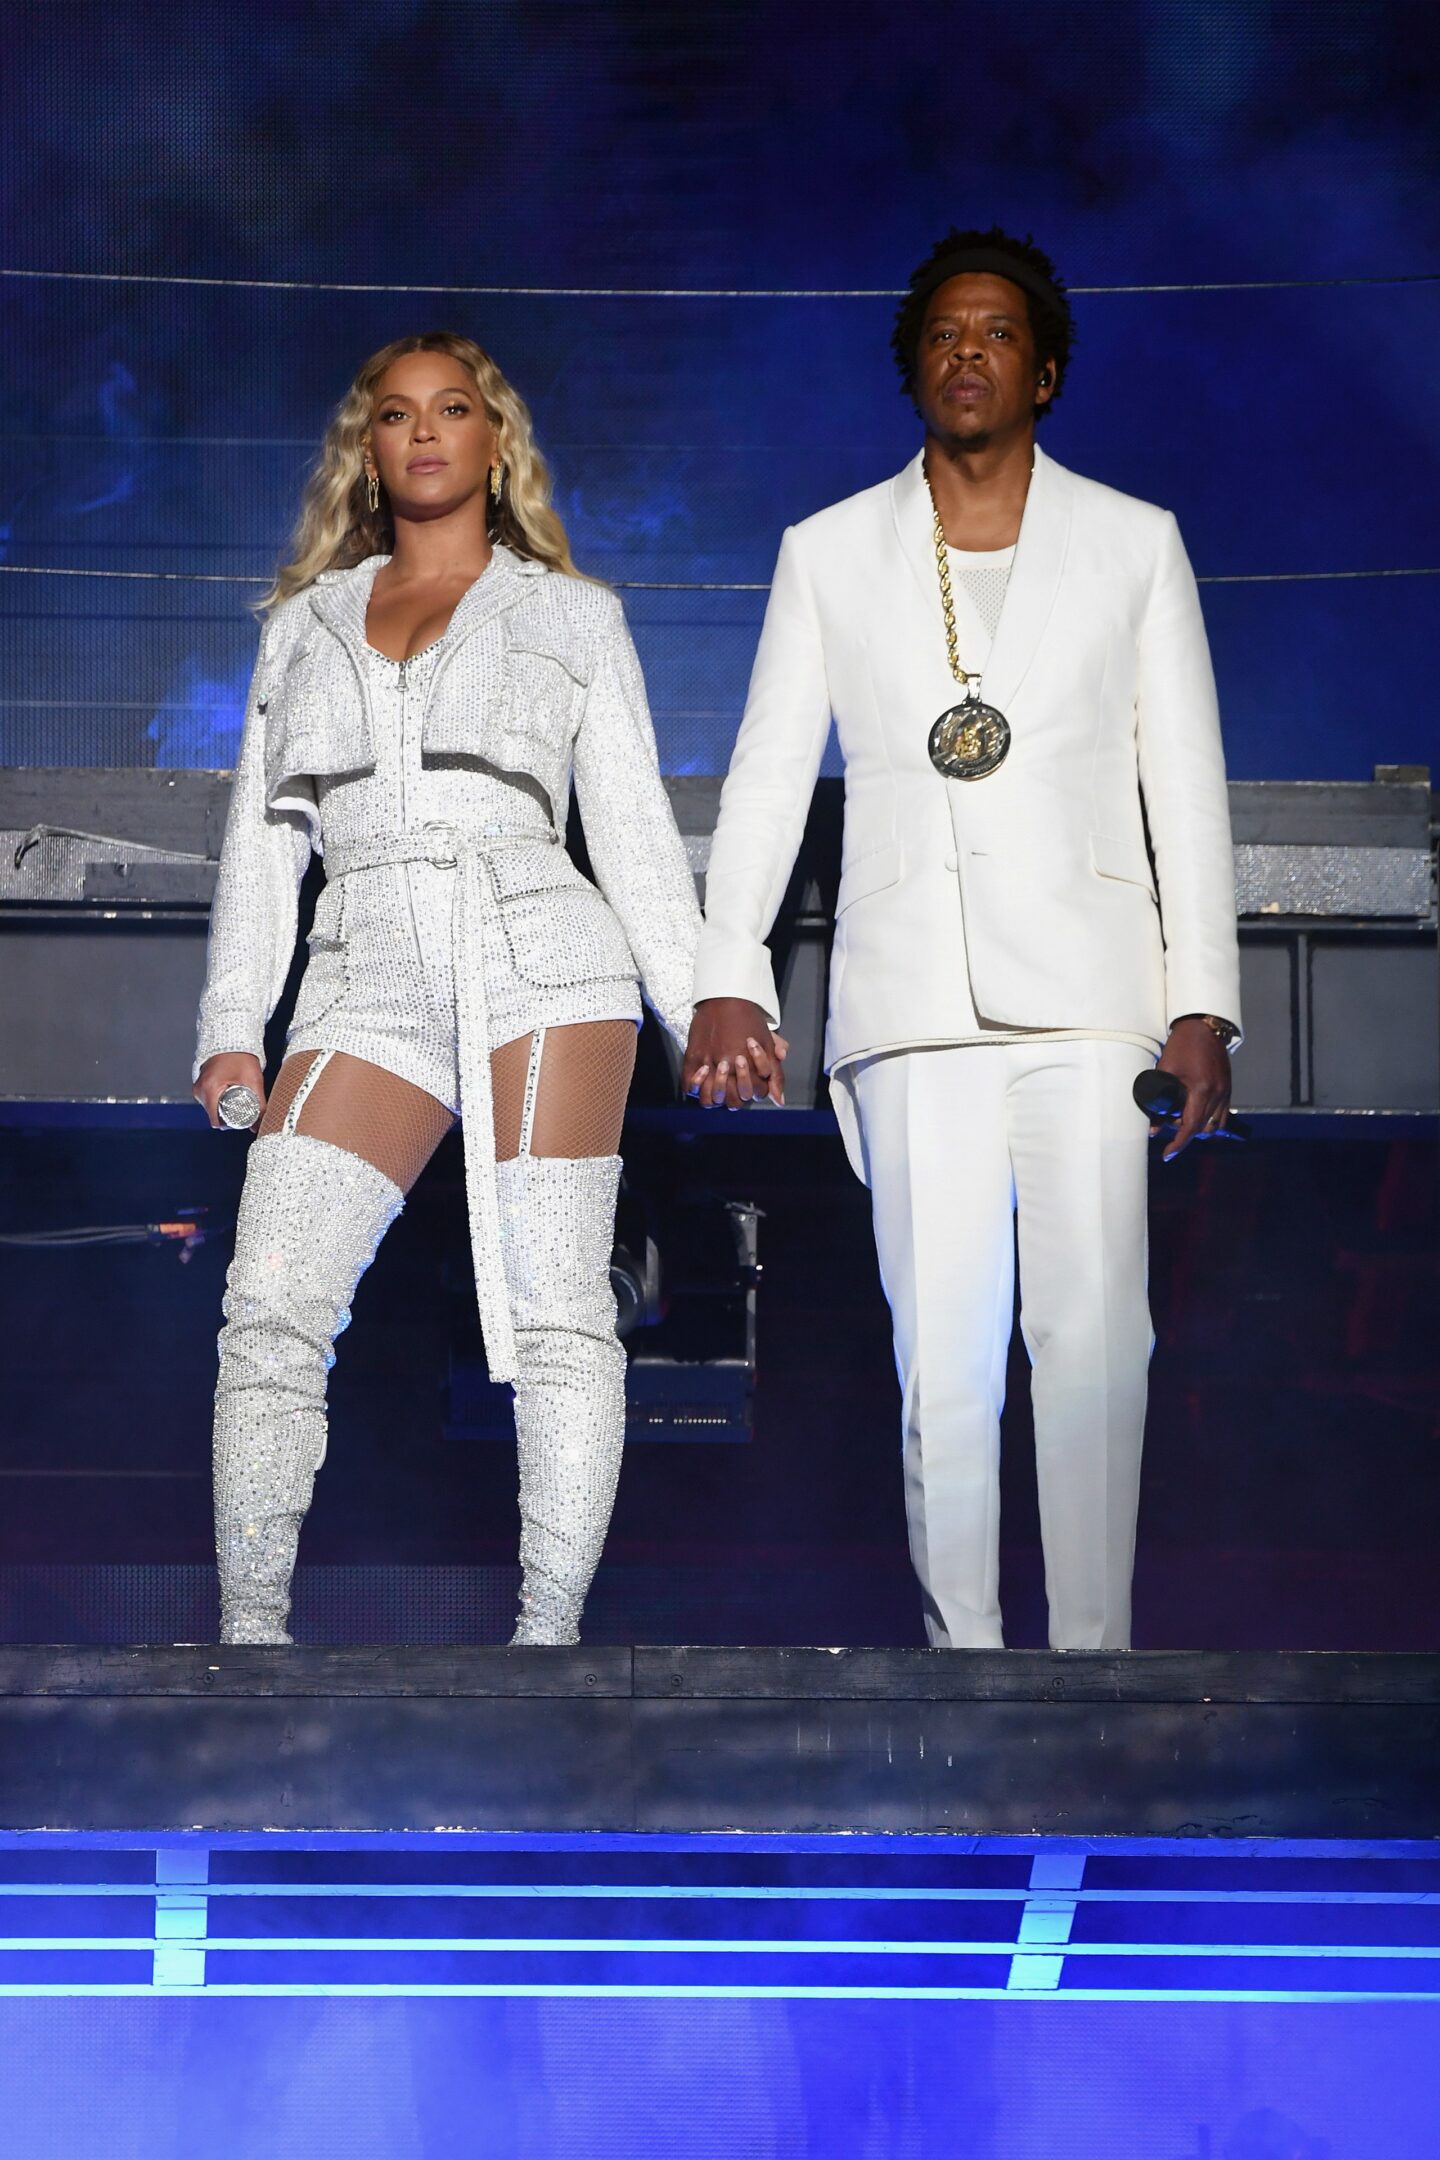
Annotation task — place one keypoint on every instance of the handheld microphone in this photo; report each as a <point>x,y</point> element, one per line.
<point>238,1108</point>
<point>1162,1098</point>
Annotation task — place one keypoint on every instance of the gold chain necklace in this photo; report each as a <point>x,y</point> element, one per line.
<point>947,597</point>
<point>972,739</point>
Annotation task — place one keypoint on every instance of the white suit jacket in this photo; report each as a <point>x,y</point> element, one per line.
<point>1037,880</point>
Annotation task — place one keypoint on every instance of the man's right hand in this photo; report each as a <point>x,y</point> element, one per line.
<point>732,1057</point>
<point>232,1068</point>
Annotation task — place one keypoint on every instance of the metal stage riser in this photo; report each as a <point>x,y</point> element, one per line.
<point>679,1741</point>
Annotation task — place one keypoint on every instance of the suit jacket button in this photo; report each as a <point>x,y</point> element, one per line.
<point>951,863</point>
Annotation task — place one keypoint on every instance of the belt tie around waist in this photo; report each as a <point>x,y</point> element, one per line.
<point>449,847</point>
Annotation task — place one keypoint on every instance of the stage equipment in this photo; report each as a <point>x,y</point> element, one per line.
<point>692,1375</point>
<point>1335,887</point>
<point>102,943</point>
<point>186,1231</point>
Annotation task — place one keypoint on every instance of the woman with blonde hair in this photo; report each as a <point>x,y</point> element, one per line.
<point>432,670</point>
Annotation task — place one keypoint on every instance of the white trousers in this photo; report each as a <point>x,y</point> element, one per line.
<point>958,1144</point>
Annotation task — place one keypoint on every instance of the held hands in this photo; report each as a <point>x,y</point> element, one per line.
<point>232,1068</point>
<point>732,1057</point>
<point>1199,1060</point>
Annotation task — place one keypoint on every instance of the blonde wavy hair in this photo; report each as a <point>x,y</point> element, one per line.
<point>336,527</point>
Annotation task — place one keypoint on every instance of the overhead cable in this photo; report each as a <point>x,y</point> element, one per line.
<point>719,585</point>
<point>670,292</point>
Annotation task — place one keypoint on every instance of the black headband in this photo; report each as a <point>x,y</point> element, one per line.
<point>998,264</point>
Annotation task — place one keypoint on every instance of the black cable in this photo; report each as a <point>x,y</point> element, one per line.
<point>187,1229</point>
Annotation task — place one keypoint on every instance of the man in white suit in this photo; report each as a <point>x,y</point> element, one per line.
<point>1036,900</point>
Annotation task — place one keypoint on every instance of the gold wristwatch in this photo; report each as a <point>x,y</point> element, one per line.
<point>1225,1030</point>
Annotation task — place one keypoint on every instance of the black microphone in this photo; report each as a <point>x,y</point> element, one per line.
<point>1162,1098</point>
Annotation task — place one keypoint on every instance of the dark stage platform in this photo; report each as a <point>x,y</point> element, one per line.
<point>676,1741</point>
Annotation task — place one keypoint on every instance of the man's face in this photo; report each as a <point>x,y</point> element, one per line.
<point>977,373</point>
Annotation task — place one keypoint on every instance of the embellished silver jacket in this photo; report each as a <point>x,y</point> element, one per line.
<point>538,677</point>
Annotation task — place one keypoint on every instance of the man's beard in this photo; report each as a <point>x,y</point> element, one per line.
<point>980,440</point>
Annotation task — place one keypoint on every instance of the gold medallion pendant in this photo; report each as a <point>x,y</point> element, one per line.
<point>969,742</point>
<point>972,740</point>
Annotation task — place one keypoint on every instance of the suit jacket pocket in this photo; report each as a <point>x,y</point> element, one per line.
<point>868,873</point>
<point>1123,860</point>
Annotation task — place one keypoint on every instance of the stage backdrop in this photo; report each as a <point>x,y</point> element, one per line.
<point>680,230</point>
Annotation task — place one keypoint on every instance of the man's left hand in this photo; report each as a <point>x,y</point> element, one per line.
<point>1199,1060</point>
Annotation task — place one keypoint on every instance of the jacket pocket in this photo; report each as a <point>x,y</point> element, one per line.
<point>544,692</point>
<point>1123,860</point>
<point>868,873</point>
<point>315,722</point>
<point>567,654</point>
<point>560,930</point>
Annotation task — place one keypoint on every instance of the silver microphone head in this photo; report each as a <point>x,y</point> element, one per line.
<point>238,1107</point>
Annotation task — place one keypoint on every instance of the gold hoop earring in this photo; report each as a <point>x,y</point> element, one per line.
<point>497,481</point>
<point>372,491</point>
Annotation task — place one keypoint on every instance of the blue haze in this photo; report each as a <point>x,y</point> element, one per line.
<point>159,427</point>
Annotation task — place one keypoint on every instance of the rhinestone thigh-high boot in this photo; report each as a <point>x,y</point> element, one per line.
<point>311,1217</point>
<point>558,1229</point>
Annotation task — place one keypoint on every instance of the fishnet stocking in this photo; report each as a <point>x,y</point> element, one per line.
<point>578,1108</point>
<point>579,1095</point>
<point>386,1121</point>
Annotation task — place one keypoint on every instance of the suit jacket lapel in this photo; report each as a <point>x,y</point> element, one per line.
<point>1034,579</point>
<point>1034,582</point>
<point>914,519</point>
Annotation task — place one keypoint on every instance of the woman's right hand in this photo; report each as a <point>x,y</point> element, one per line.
<point>232,1068</point>
<point>732,1057</point>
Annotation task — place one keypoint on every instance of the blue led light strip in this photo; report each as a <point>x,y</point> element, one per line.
<point>736,1946</point>
<point>1018,1894</point>
<point>591,1991</point>
<point>1041,1911</point>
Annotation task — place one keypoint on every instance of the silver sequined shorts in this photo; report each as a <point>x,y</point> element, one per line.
<point>380,981</point>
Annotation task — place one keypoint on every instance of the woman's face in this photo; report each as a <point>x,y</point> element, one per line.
<point>431,440</point>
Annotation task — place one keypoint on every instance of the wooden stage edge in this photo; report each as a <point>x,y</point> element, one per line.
<point>1293,1745</point>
